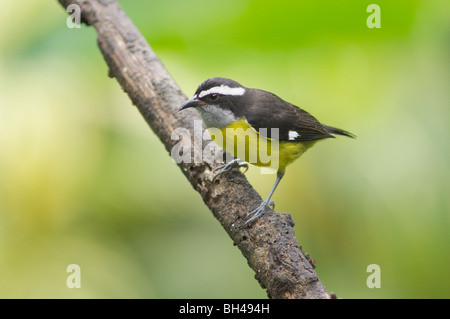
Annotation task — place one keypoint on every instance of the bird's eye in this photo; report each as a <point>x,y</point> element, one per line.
<point>213,97</point>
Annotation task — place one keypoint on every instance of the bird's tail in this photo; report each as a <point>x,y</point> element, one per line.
<point>333,130</point>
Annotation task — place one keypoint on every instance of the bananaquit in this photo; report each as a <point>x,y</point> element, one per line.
<point>265,120</point>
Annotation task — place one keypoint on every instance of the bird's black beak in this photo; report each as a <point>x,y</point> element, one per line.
<point>192,102</point>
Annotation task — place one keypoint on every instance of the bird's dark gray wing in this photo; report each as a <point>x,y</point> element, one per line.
<point>268,111</point>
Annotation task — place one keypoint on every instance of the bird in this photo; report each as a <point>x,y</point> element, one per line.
<point>265,125</point>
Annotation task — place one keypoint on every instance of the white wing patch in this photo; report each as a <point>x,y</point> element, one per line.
<point>224,90</point>
<point>293,135</point>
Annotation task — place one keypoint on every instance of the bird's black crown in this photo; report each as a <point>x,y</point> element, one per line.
<point>217,81</point>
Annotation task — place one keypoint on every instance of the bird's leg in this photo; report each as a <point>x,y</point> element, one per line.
<point>235,163</point>
<point>260,210</point>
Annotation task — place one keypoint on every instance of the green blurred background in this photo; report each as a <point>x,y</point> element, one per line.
<point>83,179</point>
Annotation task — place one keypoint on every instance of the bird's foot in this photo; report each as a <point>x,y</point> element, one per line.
<point>235,163</point>
<point>258,212</point>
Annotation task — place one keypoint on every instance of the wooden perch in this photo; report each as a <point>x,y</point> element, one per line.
<point>269,244</point>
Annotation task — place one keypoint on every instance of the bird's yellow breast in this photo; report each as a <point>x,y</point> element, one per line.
<point>243,141</point>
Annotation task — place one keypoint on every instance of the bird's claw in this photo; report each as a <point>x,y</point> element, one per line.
<point>236,163</point>
<point>258,212</point>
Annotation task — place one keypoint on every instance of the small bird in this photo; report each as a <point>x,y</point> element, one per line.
<point>267,123</point>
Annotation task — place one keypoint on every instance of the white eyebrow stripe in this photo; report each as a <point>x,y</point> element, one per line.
<point>293,135</point>
<point>224,90</point>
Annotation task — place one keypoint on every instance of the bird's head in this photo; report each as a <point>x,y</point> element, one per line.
<point>216,99</point>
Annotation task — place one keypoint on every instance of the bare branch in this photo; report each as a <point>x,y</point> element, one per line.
<point>269,244</point>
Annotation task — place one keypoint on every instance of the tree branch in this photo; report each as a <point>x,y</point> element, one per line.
<point>269,244</point>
